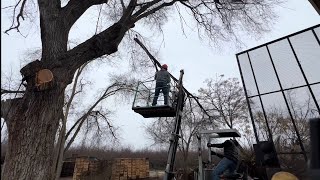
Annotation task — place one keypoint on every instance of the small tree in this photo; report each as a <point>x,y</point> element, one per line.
<point>92,120</point>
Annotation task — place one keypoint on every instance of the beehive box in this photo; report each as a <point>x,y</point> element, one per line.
<point>130,168</point>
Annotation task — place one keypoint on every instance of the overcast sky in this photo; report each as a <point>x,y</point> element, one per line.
<point>198,60</point>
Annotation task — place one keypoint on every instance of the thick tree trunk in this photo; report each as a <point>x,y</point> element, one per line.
<point>33,121</point>
<point>32,125</point>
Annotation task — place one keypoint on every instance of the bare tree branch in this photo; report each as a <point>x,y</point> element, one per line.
<point>97,25</point>
<point>110,126</point>
<point>75,8</point>
<point>145,14</point>
<point>104,43</point>
<point>123,6</point>
<point>81,121</point>
<point>5,91</point>
<point>145,6</point>
<point>59,149</point>
<point>111,90</point>
<point>20,15</point>
<point>8,7</point>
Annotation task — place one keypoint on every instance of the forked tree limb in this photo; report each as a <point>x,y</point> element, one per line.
<point>75,8</point>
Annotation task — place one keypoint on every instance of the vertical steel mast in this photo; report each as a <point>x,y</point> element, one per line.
<point>169,174</point>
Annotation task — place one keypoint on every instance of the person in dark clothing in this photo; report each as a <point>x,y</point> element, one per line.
<point>229,158</point>
<point>162,78</point>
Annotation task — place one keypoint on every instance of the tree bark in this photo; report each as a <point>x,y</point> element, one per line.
<point>33,121</point>
<point>32,127</point>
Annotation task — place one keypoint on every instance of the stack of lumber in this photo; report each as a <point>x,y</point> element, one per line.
<point>130,168</point>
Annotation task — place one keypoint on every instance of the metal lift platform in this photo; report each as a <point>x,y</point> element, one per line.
<point>143,99</point>
<point>221,133</point>
<point>155,111</point>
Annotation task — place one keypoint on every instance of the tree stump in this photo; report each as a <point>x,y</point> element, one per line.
<point>44,80</point>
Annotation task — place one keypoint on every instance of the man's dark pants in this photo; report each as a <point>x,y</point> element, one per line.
<point>165,90</point>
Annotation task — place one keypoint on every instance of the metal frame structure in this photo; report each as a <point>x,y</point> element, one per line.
<point>281,90</point>
<point>173,109</point>
<point>218,133</point>
<point>169,174</point>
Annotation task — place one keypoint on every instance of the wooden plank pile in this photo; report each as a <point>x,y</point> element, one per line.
<point>130,168</point>
<point>85,166</point>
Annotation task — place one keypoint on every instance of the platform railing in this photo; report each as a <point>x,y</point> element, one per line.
<point>145,93</point>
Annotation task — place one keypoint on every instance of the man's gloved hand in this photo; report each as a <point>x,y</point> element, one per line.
<point>213,153</point>
<point>208,144</point>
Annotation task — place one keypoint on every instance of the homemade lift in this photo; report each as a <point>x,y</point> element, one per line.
<point>218,133</point>
<point>143,100</point>
<point>141,104</point>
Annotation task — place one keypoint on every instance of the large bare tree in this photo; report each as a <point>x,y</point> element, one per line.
<point>33,119</point>
<point>225,98</point>
<point>84,121</point>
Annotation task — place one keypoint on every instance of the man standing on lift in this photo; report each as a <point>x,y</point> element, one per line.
<point>162,78</point>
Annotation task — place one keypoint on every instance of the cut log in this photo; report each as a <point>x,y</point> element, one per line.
<point>44,80</point>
